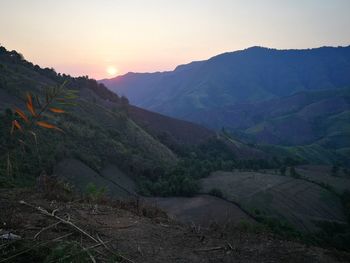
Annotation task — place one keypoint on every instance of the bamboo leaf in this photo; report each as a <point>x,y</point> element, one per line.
<point>15,124</point>
<point>22,115</point>
<point>56,110</point>
<point>29,104</point>
<point>48,125</point>
<point>29,98</point>
<point>31,108</point>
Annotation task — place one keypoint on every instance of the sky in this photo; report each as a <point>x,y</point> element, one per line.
<point>104,38</point>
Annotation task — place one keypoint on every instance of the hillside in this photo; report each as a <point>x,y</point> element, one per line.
<point>131,235</point>
<point>99,148</point>
<point>307,120</point>
<point>168,129</point>
<point>97,130</point>
<point>299,203</point>
<point>295,102</point>
<point>102,130</point>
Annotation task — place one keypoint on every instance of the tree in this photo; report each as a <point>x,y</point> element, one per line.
<point>124,101</point>
<point>124,104</point>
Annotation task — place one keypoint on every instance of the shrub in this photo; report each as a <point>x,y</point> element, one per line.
<point>95,193</point>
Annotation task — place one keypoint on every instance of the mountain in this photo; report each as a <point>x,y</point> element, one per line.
<point>106,140</point>
<point>250,75</point>
<point>93,147</point>
<point>97,130</point>
<point>287,98</point>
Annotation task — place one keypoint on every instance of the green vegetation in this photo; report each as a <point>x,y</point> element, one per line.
<point>95,193</point>
<point>92,132</point>
<point>97,135</point>
<point>196,162</point>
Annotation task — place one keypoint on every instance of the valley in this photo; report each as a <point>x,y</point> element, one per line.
<point>297,100</point>
<point>167,131</point>
<point>130,167</point>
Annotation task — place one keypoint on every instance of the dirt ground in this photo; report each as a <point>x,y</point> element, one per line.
<point>299,202</point>
<point>140,234</point>
<point>201,209</point>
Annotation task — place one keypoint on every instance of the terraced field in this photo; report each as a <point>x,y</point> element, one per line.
<point>298,202</point>
<point>115,182</point>
<point>201,210</point>
<point>323,174</point>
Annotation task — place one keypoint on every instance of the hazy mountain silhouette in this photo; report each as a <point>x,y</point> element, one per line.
<point>250,75</point>
<point>280,97</point>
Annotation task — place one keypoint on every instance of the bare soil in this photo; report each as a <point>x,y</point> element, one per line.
<point>140,234</point>
<point>201,210</point>
<point>299,202</point>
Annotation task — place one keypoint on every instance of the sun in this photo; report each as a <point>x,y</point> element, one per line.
<point>111,70</point>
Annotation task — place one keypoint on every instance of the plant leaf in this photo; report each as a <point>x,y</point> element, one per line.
<point>29,98</point>
<point>15,124</point>
<point>29,104</point>
<point>56,110</point>
<point>48,125</point>
<point>22,115</point>
<point>31,108</point>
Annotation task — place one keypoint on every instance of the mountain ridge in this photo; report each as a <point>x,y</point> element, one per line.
<point>188,78</point>
<point>235,91</point>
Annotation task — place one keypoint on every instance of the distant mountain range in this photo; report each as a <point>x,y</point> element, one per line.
<point>250,75</point>
<point>262,95</point>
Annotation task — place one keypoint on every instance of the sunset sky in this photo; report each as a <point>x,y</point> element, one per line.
<point>104,38</point>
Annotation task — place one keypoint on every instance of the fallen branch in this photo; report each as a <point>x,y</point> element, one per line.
<point>46,228</point>
<point>35,246</point>
<point>67,222</point>
<point>89,254</point>
<point>209,249</point>
<point>73,255</point>
<point>110,250</point>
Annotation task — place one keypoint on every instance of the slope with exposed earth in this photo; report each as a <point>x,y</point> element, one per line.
<point>129,236</point>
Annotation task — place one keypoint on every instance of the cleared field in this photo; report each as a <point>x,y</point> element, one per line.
<point>323,174</point>
<point>296,201</point>
<point>116,183</point>
<point>201,210</point>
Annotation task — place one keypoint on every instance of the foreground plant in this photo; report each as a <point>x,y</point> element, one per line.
<point>34,116</point>
<point>54,98</point>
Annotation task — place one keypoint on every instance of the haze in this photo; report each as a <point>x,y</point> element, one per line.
<point>109,37</point>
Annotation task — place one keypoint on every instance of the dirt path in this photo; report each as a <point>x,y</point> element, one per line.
<point>149,239</point>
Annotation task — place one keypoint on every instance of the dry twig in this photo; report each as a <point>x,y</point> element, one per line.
<point>45,212</point>
<point>46,228</point>
<point>209,249</point>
